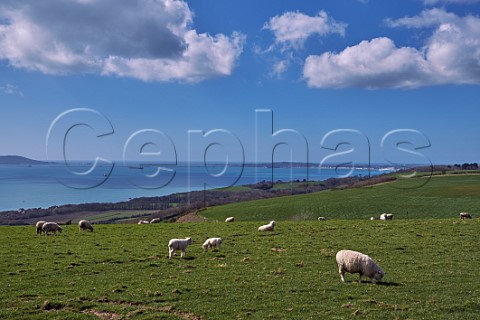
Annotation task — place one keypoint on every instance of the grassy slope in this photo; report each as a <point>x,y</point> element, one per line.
<point>122,270</point>
<point>440,196</point>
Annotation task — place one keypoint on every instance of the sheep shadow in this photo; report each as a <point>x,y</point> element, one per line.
<point>181,258</point>
<point>389,284</point>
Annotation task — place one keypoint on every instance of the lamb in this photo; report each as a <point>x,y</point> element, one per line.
<point>356,262</point>
<point>386,216</point>
<point>155,220</point>
<point>322,218</point>
<point>143,222</point>
<point>268,227</point>
<point>84,225</point>
<point>230,219</point>
<point>51,227</point>
<point>178,244</point>
<point>465,215</point>
<point>212,243</point>
<point>39,226</point>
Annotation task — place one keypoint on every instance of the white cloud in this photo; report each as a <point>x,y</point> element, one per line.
<point>451,55</point>
<point>151,40</point>
<point>292,29</point>
<point>371,64</point>
<point>434,2</point>
<point>11,89</point>
<point>427,18</point>
<point>279,68</point>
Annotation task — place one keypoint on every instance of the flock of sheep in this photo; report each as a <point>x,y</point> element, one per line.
<point>210,243</point>
<point>46,227</point>
<point>154,220</point>
<point>347,260</point>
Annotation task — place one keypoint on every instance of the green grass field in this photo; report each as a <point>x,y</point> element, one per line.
<point>122,271</point>
<point>437,197</point>
<point>118,215</point>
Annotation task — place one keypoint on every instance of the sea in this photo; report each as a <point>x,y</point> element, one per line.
<point>57,183</point>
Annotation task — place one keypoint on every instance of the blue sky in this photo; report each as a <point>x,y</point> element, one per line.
<point>347,73</point>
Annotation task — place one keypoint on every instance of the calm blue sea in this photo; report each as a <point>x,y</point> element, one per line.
<point>23,186</point>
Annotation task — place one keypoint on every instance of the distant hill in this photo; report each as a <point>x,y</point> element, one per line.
<point>18,160</point>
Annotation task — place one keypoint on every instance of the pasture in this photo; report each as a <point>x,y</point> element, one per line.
<point>442,196</point>
<point>122,271</point>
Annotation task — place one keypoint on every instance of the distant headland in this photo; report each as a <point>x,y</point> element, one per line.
<point>19,160</point>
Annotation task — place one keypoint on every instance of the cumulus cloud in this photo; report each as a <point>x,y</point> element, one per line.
<point>451,55</point>
<point>151,40</point>
<point>292,29</point>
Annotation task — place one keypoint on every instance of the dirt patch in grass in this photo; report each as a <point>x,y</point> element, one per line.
<point>104,315</point>
<point>52,306</point>
<point>141,308</point>
<point>191,217</point>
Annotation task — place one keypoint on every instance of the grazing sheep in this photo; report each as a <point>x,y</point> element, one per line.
<point>51,227</point>
<point>230,219</point>
<point>39,226</point>
<point>465,215</point>
<point>386,216</point>
<point>178,244</point>
<point>84,225</point>
<point>143,222</point>
<point>212,243</point>
<point>356,262</point>
<point>322,218</point>
<point>268,227</point>
<point>155,220</point>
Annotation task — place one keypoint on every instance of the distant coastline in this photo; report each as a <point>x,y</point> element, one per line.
<point>177,202</point>
<point>19,160</point>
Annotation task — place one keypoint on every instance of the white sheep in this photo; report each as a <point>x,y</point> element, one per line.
<point>230,219</point>
<point>212,243</point>
<point>356,262</point>
<point>39,226</point>
<point>322,218</point>
<point>465,215</point>
<point>155,220</point>
<point>268,227</point>
<point>51,227</point>
<point>178,244</point>
<point>386,216</point>
<point>143,222</point>
<point>372,218</point>
<point>85,225</point>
